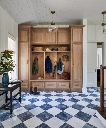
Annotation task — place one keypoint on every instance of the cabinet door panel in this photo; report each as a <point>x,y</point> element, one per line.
<point>24,35</point>
<point>63,36</point>
<point>23,62</point>
<point>50,38</point>
<point>77,61</point>
<point>37,36</point>
<point>77,35</point>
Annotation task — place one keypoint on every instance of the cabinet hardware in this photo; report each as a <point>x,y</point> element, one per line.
<point>95,70</point>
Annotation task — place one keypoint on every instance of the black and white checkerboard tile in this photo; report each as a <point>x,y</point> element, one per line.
<point>54,110</point>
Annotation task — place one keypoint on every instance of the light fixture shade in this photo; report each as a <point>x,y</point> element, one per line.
<point>52,28</point>
<point>102,29</point>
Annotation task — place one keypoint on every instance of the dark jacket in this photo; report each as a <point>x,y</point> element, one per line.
<point>48,65</point>
<point>35,66</point>
<point>59,65</point>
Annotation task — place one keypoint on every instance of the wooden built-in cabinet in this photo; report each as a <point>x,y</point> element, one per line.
<point>70,37</point>
<point>76,57</point>
<point>23,55</point>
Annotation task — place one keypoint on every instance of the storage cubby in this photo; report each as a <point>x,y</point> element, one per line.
<point>66,63</point>
<point>53,58</point>
<point>40,56</point>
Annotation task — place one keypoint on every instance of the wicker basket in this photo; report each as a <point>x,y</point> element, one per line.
<point>37,48</point>
<point>62,48</point>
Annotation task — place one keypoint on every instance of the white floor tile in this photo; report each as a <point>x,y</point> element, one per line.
<point>54,111</point>
<point>36,111</point>
<point>71,111</point>
<point>19,110</point>
<point>54,122</point>
<point>33,122</point>
<point>89,111</point>
<point>11,122</point>
<point>76,123</point>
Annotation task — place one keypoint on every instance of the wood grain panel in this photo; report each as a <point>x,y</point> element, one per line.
<point>40,73</point>
<point>77,61</point>
<point>37,36</point>
<point>77,84</point>
<point>77,35</point>
<point>63,36</point>
<point>63,84</point>
<point>66,64</point>
<point>53,58</point>
<point>38,84</point>
<point>50,85</point>
<point>50,38</point>
<point>23,62</point>
<point>24,35</point>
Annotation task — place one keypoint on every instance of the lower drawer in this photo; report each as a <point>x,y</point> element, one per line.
<point>63,84</point>
<point>38,84</point>
<point>77,84</point>
<point>24,84</point>
<point>50,84</point>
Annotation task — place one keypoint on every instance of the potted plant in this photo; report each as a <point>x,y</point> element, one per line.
<point>6,65</point>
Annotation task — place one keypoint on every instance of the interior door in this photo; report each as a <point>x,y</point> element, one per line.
<point>92,64</point>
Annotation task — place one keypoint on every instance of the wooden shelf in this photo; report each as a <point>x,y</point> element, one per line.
<point>50,51</point>
<point>53,80</point>
<point>48,44</point>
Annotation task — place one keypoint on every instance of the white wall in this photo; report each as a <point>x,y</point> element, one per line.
<point>7,25</point>
<point>84,55</point>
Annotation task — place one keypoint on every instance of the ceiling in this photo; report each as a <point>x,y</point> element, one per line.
<point>66,11</point>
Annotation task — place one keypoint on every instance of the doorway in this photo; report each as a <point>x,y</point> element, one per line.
<point>99,62</point>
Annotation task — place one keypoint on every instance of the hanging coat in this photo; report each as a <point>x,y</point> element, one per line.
<point>35,66</point>
<point>60,67</point>
<point>48,65</point>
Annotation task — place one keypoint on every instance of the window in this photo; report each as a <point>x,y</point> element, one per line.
<point>12,45</point>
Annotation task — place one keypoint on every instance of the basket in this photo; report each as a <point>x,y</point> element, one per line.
<point>37,48</point>
<point>62,48</point>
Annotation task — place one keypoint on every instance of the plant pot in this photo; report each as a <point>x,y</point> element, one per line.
<point>5,79</point>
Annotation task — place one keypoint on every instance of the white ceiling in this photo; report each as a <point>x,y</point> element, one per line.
<point>66,11</point>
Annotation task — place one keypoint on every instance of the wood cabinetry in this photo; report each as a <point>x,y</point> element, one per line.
<point>63,36</point>
<point>42,36</point>
<point>23,55</point>
<point>76,57</point>
<point>70,37</point>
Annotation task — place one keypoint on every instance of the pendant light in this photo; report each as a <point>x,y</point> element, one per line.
<point>102,27</point>
<point>53,27</point>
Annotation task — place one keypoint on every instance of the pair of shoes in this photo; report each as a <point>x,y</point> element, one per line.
<point>35,91</point>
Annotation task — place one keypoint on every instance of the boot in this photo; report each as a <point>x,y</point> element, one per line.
<point>35,91</point>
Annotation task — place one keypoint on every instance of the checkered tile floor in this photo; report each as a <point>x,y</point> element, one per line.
<point>54,110</point>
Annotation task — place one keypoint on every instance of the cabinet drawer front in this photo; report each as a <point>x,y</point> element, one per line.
<point>50,84</point>
<point>24,84</point>
<point>38,84</point>
<point>77,84</point>
<point>63,84</point>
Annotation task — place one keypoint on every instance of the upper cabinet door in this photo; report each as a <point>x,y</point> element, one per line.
<point>24,35</point>
<point>63,36</point>
<point>77,35</point>
<point>37,36</point>
<point>42,36</point>
<point>50,38</point>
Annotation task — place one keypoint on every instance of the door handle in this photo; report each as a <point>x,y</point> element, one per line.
<point>95,70</point>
